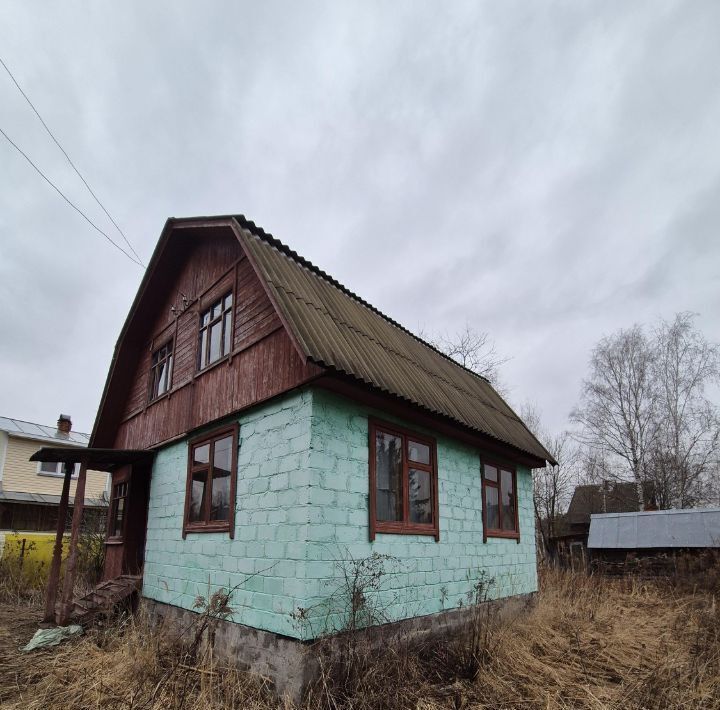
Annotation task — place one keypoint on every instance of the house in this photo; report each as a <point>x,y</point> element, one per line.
<point>29,491</point>
<point>569,541</point>
<point>261,422</point>
<point>651,541</point>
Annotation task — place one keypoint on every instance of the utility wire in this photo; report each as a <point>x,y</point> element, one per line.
<point>72,204</point>
<point>74,167</point>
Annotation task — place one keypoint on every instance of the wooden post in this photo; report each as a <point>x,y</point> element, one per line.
<point>54,577</point>
<point>69,581</point>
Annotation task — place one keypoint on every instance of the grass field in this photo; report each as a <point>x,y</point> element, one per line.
<point>588,643</point>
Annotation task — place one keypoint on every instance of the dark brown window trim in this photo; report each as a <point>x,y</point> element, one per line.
<point>403,527</point>
<point>191,378</point>
<point>507,534</point>
<point>220,525</point>
<point>205,307</point>
<point>170,342</point>
<point>201,299</point>
<point>111,539</point>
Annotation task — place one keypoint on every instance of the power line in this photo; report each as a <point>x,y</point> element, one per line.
<point>74,167</point>
<point>72,204</point>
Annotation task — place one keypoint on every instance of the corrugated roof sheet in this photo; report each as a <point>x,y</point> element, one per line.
<point>692,527</point>
<point>337,329</point>
<point>28,430</point>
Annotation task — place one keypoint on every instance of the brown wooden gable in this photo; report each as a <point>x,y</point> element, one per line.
<point>194,264</point>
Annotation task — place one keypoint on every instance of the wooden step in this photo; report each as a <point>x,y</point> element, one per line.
<point>105,597</point>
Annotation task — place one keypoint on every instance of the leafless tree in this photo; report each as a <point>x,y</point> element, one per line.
<point>552,485</point>
<point>645,413</point>
<point>686,450</point>
<point>471,348</point>
<point>618,408</point>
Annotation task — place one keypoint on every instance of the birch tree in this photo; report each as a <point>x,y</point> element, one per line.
<point>618,406</point>
<point>686,449</point>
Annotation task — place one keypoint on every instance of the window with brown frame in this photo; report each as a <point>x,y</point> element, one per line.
<point>215,337</point>
<point>499,488</point>
<point>210,494</point>
<point>118,503</point>
<point>403,481</point>
<point>161,371</point>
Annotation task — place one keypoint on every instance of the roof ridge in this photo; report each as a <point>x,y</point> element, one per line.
<point>283,248</point>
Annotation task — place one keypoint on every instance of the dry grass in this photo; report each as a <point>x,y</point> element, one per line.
<point>588,643</point>
<point>125,665</point>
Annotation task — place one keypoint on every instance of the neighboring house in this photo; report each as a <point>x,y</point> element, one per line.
<point>266,422</point>
<point>631,538</point>
<point>30,491</point>
<point>569,542</point>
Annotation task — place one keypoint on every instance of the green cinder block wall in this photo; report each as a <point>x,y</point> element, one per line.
<point>266,558</point>
<point>428,576</point>
<point>302,508</point>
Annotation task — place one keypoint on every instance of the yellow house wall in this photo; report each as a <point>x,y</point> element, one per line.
<point>19,474</point>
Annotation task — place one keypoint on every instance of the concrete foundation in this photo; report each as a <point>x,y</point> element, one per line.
<point>292,665</point>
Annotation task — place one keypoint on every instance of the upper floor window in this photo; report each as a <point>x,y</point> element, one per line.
<point>56,468</point>
<point>403,481</point>
<point>215,331</point>
<point>500,501</point>
<point>161,370</point>
<point>210,494</point>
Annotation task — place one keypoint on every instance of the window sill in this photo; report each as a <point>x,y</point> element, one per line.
<point>206,528</point>
<point>508,534</point>
<point>114,541</point>
<point>400,529</point>
<point>224,358</point>
<point>56,475</point>
<point>160,397</point>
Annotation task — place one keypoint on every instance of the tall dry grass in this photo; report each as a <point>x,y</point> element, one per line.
<point>588,643</point>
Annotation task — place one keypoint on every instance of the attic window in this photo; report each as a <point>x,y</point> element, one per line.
<point>403,482</point>
<point>161,370</point>
<point>215,336</point>
<point>500,513</point>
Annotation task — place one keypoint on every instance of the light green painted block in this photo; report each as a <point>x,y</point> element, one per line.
<point>302,505</point>
<point>429,576</point>
<point>260,559</point>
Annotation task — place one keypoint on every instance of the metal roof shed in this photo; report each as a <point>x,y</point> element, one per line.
<point>657,529</point>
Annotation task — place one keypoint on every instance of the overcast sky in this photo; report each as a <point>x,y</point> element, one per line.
<point>546,172</point>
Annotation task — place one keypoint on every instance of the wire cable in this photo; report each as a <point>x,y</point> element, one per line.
<point>72,165</point>
<point>72,204</point>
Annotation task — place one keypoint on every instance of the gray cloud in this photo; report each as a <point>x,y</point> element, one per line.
<point>547,172</point>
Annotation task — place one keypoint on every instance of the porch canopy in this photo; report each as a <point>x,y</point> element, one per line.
<point>94,459</point>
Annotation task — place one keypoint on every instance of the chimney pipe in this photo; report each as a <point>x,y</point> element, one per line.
<point>64,423</point>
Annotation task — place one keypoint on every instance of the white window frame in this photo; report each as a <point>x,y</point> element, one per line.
<point>59,473</point>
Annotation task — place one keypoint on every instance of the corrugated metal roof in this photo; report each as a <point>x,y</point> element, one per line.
<point>28,430</point>
<point>337,329</point>
<point>691,527</point>
<point>47,499</point>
